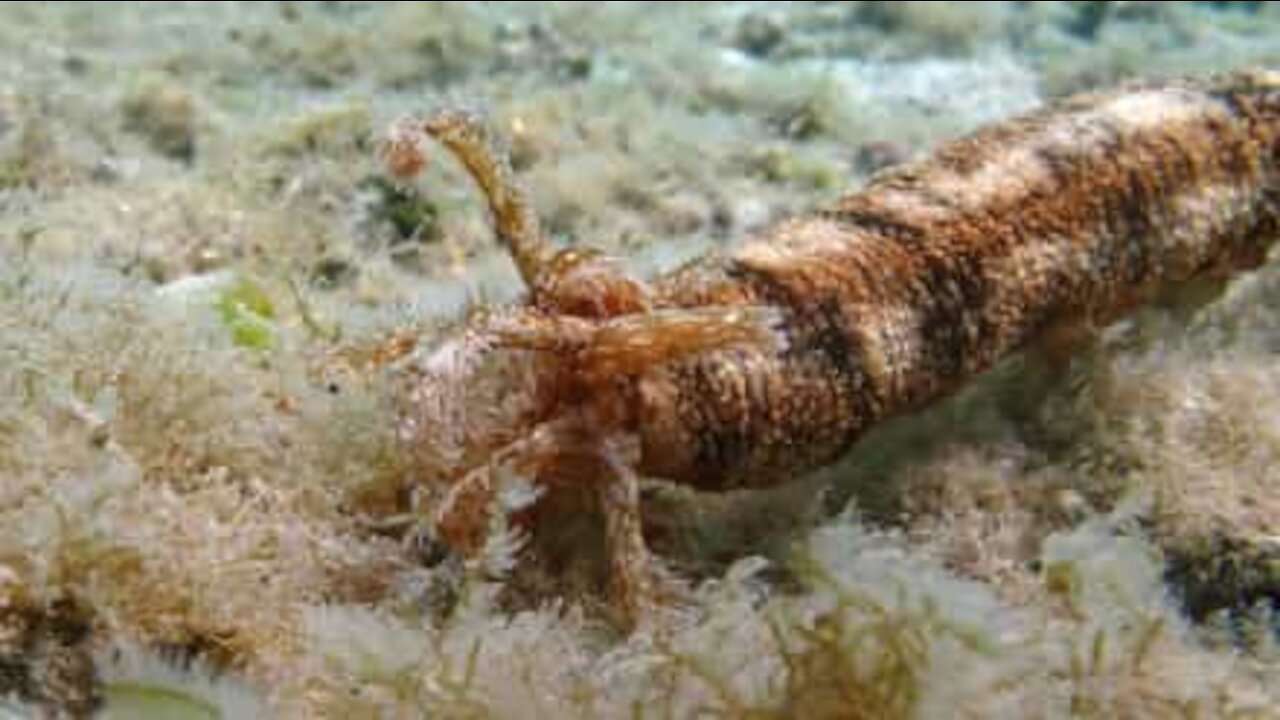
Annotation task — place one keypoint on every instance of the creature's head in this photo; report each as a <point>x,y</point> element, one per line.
<point>548,385</point>
<point>468,397</point>
<point>468,401</point>
<point>550,397</point>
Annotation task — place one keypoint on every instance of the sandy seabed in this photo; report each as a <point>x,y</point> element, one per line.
<point>203,509</point>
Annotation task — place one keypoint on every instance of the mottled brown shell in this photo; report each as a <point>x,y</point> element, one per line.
<point>749,369</point>
<point>937,269</point>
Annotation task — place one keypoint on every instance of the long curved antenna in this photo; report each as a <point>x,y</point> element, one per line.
<point>468,137</point>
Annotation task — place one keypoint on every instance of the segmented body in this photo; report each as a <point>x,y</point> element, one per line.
<point>747,369</point>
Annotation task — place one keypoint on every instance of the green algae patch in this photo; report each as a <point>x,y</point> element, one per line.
<point>247,311</point>
<point>143,701</point>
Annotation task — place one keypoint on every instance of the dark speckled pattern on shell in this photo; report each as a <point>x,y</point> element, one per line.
<point>939,268</point>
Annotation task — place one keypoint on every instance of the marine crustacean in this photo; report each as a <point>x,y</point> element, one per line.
<point>745,369</point>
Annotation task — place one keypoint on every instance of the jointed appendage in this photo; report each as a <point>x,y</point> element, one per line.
<point>598,323</point>
<point>573,280</point>
<point>632,570</point>
<point>467,136</point>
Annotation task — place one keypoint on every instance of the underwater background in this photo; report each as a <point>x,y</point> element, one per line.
<point>203,509</point>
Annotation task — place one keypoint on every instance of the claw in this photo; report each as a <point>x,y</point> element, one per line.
<point>467,136</point>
